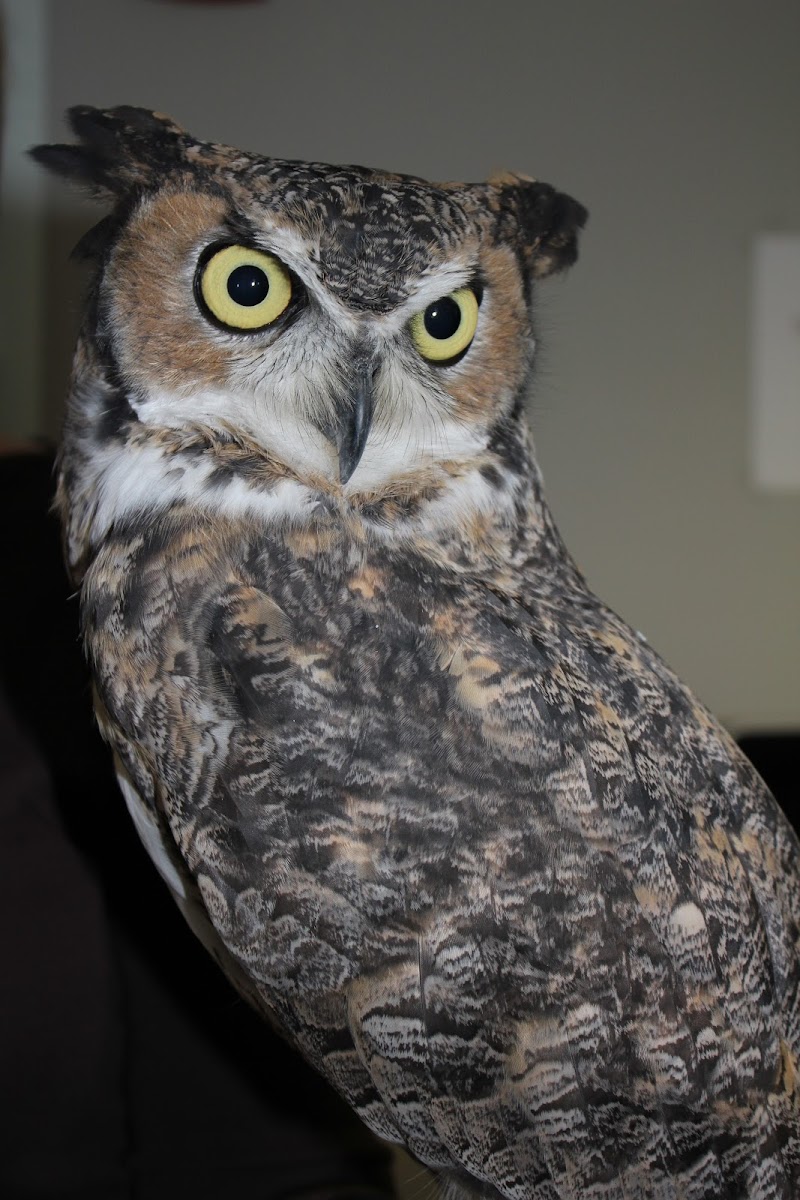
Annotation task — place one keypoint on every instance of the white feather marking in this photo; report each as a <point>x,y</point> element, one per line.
<point>461,499</point>
<point>271,417</point>
<point>391,452</point>
<point>414,427</point>
<point>151,836</point>
<point>146,479</point>
<point>154,843</point>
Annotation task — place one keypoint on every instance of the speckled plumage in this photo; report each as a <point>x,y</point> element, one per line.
<point>436,809</point>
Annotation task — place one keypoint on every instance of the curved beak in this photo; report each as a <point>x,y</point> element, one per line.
<point>354,424</point>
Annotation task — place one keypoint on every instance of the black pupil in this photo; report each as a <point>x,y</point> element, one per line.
<point>442,318</point>
<point>248,285</point>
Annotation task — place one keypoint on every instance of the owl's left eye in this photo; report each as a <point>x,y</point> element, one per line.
<point>243,288</point>
<point>444,330</point>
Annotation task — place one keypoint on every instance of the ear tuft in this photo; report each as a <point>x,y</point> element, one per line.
<point>546,222</point>
<point>118,149</point>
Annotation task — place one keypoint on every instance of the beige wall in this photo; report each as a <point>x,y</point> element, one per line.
<point>675,121</point>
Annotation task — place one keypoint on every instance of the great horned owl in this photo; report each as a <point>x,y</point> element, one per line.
<point>436,809</point>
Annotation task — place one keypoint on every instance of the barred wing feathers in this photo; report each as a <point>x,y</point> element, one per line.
<point>490,865</point>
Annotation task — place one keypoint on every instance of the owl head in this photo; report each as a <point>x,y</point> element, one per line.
<point>284,336</point>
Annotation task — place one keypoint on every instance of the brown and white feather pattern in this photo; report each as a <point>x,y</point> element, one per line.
<point>446,818</point>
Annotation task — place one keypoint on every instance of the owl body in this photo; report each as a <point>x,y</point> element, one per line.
<point>436,810</point>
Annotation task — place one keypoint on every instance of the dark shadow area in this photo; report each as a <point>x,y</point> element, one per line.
<point>776,757</point>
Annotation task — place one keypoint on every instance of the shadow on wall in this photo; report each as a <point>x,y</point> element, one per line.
<point>36,359</point>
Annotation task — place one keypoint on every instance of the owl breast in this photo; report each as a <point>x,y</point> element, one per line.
<point>425,822</point>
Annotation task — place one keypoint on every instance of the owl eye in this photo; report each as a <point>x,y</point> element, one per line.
<point>242,288</point>
<point>445,328</point>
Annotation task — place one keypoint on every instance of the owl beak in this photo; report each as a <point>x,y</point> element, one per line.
<point>354,426</point>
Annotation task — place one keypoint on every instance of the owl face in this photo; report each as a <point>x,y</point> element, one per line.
<point>364,334</point>
<point>349,358</point>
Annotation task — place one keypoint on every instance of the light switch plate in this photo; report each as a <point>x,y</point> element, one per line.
<point>775,363</point>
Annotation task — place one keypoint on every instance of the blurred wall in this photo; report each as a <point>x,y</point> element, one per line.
<point>675,121</point>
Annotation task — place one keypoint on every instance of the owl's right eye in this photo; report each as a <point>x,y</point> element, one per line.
<point>242,288</point>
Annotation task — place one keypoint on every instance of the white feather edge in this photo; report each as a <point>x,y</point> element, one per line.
<point>191,907</point>
<point>151,835</point>
<point>163,857</point>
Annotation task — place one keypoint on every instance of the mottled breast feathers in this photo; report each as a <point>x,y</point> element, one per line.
<point>501,878</point>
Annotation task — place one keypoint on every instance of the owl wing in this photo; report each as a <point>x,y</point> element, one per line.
<point>185,655</point>
<point>494,870</point>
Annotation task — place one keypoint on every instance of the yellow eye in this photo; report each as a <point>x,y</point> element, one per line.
<point>243,288</point>
<point>445,328</point>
